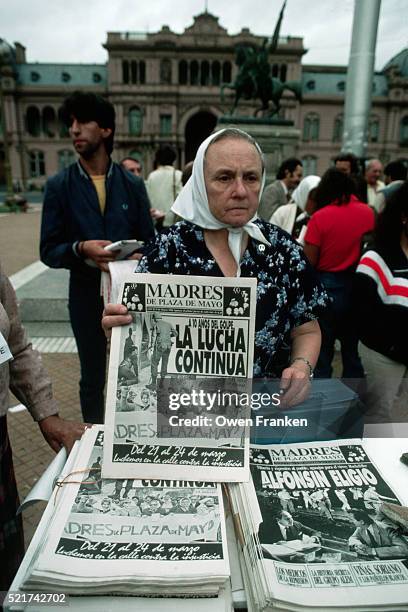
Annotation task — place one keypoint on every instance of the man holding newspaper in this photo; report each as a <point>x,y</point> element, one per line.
<point>87,206</point>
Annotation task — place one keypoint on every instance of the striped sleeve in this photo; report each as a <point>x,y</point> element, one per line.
<point>391,289</point>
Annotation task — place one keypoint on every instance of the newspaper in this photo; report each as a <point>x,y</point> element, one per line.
<point>111,281</point>
<point>189,337</point>
<point>133,534</point>
<point>42,490</point>
<point>322,528</point>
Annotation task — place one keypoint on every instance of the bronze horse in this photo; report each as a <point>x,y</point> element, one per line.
<point>254,81</point>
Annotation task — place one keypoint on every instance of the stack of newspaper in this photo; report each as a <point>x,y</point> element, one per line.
<point>311,532</point>
<point>150,538</point>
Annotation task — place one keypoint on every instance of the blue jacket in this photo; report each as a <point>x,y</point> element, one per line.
<point>71,213</point>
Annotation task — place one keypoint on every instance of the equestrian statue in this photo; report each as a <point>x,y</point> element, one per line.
<point>254,80</point>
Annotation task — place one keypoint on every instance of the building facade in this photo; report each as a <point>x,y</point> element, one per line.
<point>166,88</point>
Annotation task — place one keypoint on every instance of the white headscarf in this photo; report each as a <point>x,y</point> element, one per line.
<point>192,205</point>
<point>301,193</point>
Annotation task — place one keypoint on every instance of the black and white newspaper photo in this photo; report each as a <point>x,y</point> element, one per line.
<point>322,527</point>
<point>177,378</point>
<point>125,531</point>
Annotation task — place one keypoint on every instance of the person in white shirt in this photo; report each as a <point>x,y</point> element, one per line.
<point>373,171</point>
<point>395,174</point>
<point>293,217</point>
<point>163,186</point>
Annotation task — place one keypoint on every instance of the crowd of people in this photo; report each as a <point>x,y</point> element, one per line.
<point>330,254</point>
<point>354,231</point>
<point>136,502</point>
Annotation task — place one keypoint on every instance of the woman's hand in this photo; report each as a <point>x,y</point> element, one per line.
<point>295,380</point>
<point>295,384</point>
<point>113,316</point>
<point>58,432</point>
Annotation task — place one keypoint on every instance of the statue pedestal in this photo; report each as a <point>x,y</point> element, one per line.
<point>278,138</point>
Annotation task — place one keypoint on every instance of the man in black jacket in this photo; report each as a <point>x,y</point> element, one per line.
<point>87,206</point>
<point>284,529</point>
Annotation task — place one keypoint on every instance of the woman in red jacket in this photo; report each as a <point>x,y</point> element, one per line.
<point>333,246</point>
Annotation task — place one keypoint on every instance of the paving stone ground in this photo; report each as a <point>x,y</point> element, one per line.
<point>19,244</point>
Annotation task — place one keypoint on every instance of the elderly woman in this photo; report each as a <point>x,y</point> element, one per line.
<point>220,235</point>
<point>22,372</point>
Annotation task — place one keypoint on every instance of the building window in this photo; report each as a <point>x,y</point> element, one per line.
<point>205,73</point>
<point>283,72</point>
<point>125,71</point>
<point>133,72</point>
<point>135,121</point>
<point>338,129</point>
<point>194,70</point>
<point>374,129</point>
<point>33,121</point>
<point>341,85</point>
<point>309,163</point>
<point>226,72</point>
<point>66,157</point>
<point>165,71</point>
<point>65,77</point>
<point>404,131</point>
<point>49,122</point>
<point>37,164</point>
<point>311,85</point>
<point>165,125</point>
<point>34,76</point>
<point>311,127</point>
<point>63,129</point>
<point>183,72</point>
<point>215,73</point>
<point>142,72</point>
<point>96,77</point>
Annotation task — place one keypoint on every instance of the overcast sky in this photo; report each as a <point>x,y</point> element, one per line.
<point>74,30</point>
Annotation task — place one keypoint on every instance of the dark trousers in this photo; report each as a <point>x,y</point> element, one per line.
<point>337,324</point>
<point>85,309</point>
<point>11,525</point>
<point>163,355</point>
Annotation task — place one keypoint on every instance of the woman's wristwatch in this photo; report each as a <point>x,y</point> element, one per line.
<point>307,362</point>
